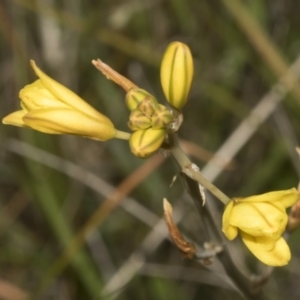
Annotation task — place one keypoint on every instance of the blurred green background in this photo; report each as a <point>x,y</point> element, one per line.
<point>51,186</point>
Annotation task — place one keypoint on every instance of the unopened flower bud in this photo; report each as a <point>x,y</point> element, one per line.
<point>176,73</point>
<point>135,96</point>
<point>144,143</point>
<point>148,106</point>
<point>138,121</point>
<point>161,117</point>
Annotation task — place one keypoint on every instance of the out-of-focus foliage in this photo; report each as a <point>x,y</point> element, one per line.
<point>45,201</point>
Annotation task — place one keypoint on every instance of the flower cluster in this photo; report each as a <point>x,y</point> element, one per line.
<point>50,107</point>
<point>149,120</point>
<point>261,220</point>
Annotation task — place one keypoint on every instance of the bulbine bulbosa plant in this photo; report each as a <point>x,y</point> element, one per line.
<point>261,221</point>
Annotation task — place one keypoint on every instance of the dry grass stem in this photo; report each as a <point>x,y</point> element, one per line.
<point>113,75</point>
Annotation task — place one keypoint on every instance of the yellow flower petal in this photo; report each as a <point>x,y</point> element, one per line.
<point>15,118</point>
<point>286,198</point>
<point>263,242</point>
<point>34,97</point>
<point>279,255</point>
<point>257,219</point>
<point>67,96</point>
<point>230,231</point>
<point>68,121</point>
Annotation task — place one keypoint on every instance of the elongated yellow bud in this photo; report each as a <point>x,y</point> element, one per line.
<point>135,96</point>
<point>144,143</point>
<point>176,73</point>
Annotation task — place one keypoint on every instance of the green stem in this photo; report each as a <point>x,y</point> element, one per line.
<point>191,170</point>
<point>122,135</point>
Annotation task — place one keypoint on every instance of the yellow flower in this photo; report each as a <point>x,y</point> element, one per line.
<point>50,107</point>
<point>176,73</point>
<point>261,220</point>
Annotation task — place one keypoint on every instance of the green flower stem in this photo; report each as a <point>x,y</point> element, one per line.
<point>122,135</point>
<point>192,171</point>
